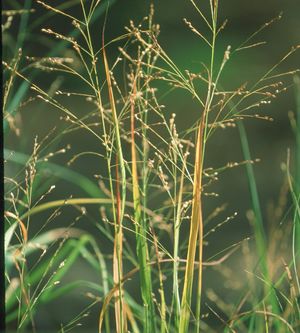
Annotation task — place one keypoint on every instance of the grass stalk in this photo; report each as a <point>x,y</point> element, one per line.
<point>121,198</point>
<point>195,230</point>
<point>296,196</point>
<point>210,95</point>
<point>141,239</point>
<point>178,202</point>
<point>163,325</point>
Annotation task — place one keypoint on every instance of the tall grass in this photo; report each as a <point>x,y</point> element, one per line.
<point>152,186</point>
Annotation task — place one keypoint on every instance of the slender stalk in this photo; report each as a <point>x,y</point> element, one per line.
<point>296,228</point>
<point>176,297</point>
<point>297,130</point>
<point>196,230</point>
<point>163,326</point>
<point>142,247</point>
<point>117,260</point>
<point>122,197</point>
<point>196,224</point>
<point>209,100</point>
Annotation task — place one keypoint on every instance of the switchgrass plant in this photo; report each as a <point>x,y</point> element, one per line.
<point>153,180</point>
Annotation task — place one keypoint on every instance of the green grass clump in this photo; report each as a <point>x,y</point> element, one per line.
<point>150,225</point>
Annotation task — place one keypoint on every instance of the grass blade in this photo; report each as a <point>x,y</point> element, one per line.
<point>260,237</point>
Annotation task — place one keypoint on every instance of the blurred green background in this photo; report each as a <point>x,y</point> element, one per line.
<point>268,140</point>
